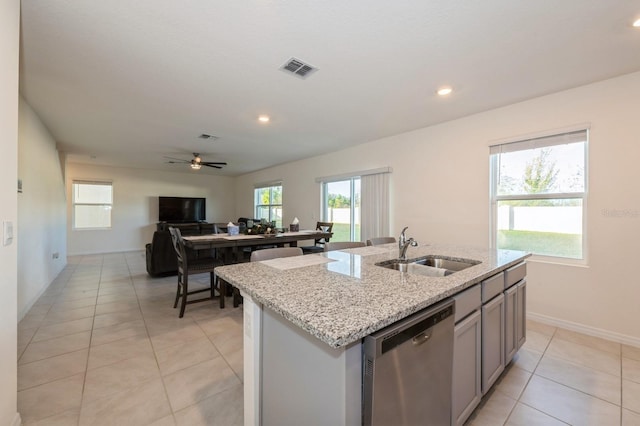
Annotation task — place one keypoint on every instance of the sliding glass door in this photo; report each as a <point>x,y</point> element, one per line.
<point>341,202</point>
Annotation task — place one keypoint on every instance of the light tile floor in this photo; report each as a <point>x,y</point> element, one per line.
<point>103,346</point>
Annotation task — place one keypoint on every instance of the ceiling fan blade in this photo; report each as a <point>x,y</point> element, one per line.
<point>177,159</point>
<point>210,165</point>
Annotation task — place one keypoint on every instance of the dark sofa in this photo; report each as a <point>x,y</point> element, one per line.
<point>161,257</point>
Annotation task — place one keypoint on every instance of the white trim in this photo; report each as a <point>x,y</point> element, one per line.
<point>252,341</point>
<point>345,176</point>
<point>91,253</point>
<point>92,181</point>
<point>17,420</point>
<point>22,312</point>
<point>585,329</point>
<point>558,260</point>
<point>543,196</point>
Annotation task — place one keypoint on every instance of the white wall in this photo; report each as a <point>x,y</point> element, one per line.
<point>135,204</point>
<point>440,189</point>
<point>41,209</point>
<point>9,48</point>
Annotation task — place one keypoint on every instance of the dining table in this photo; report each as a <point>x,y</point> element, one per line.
<point>232,244</point>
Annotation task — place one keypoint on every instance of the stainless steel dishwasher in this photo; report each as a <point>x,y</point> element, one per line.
<point>407,370</point>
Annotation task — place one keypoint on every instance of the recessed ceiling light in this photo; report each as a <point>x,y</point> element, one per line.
<point>444,91</point>
<point>636,23</point>
<point>263,118</point>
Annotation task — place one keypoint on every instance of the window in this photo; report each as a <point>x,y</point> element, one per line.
<point>92,203</point>
<point>538,195</point>
<point>268,202</point>
<point>341,202</point>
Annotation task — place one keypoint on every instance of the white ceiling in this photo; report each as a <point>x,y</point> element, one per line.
<point>125,83</point>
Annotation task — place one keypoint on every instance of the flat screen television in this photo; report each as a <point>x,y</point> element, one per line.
<point>181,209</point>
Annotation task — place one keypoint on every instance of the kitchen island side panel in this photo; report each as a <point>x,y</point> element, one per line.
<point>304,381</point>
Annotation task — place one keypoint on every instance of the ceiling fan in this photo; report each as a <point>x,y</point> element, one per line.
<point>196,162</point>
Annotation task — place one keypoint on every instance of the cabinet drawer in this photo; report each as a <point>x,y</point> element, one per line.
<point>514,274</point>
<point>467,302</point>
<point>492,286</point>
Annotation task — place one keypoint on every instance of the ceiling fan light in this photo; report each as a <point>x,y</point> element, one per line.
<point>444,91</point>
<point>195,166</point>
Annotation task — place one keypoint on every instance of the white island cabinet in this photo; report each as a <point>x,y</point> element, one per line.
<point>292,378</point>
<point>305,318</point>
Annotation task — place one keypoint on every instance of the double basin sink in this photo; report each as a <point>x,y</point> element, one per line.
<point>432,265</point>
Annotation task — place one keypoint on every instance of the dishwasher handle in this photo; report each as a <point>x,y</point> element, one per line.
<point>421,338</point>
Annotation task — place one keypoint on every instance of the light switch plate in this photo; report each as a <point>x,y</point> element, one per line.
<point>7,233</point>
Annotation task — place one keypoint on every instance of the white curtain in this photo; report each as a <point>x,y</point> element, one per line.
<point>374,205</point>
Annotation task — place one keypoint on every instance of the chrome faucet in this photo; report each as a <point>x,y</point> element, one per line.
<point>404,243</point>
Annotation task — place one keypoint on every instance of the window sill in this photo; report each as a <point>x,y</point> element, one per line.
<point>562,261</point>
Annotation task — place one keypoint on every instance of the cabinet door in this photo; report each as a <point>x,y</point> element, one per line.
<point>521,321</point>
<point>510,323</point>
<point>492,341</point>
<point>466,388</point>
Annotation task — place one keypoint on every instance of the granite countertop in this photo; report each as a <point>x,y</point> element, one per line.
<point>342,296</point>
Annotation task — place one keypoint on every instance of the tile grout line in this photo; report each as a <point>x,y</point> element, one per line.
<point>155,356</point>
<point>529,380</point>
<point>570,387</point>
<point>86,367</point>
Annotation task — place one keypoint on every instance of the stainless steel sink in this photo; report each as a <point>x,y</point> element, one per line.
<point>433,266</point>
<point>446,263</point>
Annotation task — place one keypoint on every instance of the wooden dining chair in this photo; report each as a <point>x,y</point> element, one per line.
<point>380,240</point>
<point>319,243</point>
<point>342,245</point>
<point>188,267</point>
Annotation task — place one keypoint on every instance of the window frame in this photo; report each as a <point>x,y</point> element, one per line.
<point>352,213</point>
<point>75,182</point>
<point>269,206</point>
<point>495,198</point>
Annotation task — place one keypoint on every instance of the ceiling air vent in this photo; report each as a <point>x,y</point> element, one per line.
<point>298,68</point>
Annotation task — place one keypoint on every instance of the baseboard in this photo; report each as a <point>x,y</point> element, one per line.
<point>90,253</point>
<point>17,421</point>
<point>584,329</point>
<point>27,308</point>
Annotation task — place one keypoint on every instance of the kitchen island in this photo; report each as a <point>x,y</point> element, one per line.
<point>305,318</point>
